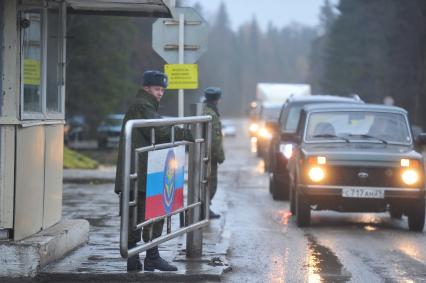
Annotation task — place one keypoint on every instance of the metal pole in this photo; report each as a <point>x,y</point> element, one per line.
<point>126,190</point>
<point>207,169</point>
<point>181,59</point>
<point>194,240</point>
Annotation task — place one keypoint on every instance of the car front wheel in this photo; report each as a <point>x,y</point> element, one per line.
<point>416,216</point>
<point>278,190</point>
<point>292,199</point>
<point>303,211</point>
<point>102,143</point>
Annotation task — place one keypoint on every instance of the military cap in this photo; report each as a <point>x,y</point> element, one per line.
<point>155,78</point>
<point>212,93</point>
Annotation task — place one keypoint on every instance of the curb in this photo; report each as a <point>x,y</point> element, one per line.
<point>126,277</point>
<point>27,257</point>
<point>86,176</point>
<point>89,180</point>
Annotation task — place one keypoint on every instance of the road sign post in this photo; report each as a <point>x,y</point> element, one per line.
<point>181,55</point>
<point>180,40</point>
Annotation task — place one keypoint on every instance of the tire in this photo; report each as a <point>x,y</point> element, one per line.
<point>258,150</point>
<point>395,212</point>
<point>292,199</point>
<point>303,211</point>
<point>267,165</point>
<point>102,144</point>
<point>272,159</point>
<point>278,190</point>
<point>268,159</point>
<point>416,216</point>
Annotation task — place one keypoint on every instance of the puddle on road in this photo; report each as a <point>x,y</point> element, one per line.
<point>282,216</point>
<point>323,264</point>
<point>253,145</point>
<point>278,265</point>
<point>260,167</point>
<point>96,222</point>
<point>370,228</point>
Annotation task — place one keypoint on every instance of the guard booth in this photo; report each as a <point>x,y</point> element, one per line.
<point>32,105</point>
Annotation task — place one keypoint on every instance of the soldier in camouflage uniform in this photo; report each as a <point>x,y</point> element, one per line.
<point>212,96</point>
<point>145,106</point>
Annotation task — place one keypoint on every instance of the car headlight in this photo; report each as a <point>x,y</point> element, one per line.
<point>286,150</point>
<point>254,127</point>
<point>316,174</point>
<point>410,177</point>
<point>264,133</point>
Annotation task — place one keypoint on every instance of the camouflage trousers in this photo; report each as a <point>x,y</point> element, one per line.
<point>135,235</point>
<point>213,179</point>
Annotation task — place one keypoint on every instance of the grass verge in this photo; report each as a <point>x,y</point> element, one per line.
<point>75,160</point>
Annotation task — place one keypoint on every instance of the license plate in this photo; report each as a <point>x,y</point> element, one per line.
<point>362,193</point>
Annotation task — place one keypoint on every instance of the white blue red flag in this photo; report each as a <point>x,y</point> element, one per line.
<point>165,181</point>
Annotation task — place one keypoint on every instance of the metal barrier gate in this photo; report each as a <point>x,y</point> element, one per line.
<point>198,184</point>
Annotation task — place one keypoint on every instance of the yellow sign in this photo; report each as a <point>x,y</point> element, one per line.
<point>182,76</point>
<point>31,72</point>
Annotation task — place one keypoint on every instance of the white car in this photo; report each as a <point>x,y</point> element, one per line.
<point>228,128</point>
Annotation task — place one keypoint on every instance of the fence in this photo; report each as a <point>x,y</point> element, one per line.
<point>194,215</point>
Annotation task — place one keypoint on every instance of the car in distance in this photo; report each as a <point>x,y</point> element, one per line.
<point>108,132</point>
<point>281,147</point>
<point>76,129</point>
<point>268,115</point>
<point>357,158</point>
<point>228,128</point>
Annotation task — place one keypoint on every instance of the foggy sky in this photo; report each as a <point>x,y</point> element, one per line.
<point>279,12</point>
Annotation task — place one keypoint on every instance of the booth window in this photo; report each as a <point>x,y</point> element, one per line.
<point>42,63</point>
<point>54,71</point>
<point>31,54</point>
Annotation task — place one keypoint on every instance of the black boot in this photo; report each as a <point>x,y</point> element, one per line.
<point>154,261</point>
<point>134,263</point>
<point>213,215</point>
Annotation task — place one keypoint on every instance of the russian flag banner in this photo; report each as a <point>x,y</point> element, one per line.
<point>165,181</point>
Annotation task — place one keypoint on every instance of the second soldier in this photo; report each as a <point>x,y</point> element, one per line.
<point>212,97</point>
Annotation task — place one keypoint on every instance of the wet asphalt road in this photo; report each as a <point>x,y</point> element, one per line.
<point>267,246</point>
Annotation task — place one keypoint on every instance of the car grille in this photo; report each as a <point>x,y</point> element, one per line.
<point>368,176</point>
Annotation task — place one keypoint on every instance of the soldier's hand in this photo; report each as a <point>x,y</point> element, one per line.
<point>188,135</point>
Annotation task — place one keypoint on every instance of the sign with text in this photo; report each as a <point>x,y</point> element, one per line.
<point>182,76</point>
<point>31,72</point>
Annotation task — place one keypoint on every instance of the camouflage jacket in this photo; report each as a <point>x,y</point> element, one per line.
<point>218,154</point>
<point>145,106</point>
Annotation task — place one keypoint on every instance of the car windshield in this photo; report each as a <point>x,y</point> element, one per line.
<point>358,126</point>
<point>293,118</point>
<point>270,113</point>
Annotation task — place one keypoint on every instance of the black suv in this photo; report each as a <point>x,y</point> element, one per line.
<point>357,158</point>
<point>281,148</point>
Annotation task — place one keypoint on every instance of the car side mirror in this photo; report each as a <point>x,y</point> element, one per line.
<point>421,139</point>
<point>290,137</point>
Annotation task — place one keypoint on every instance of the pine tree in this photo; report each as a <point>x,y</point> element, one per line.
<point>98,75</point>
